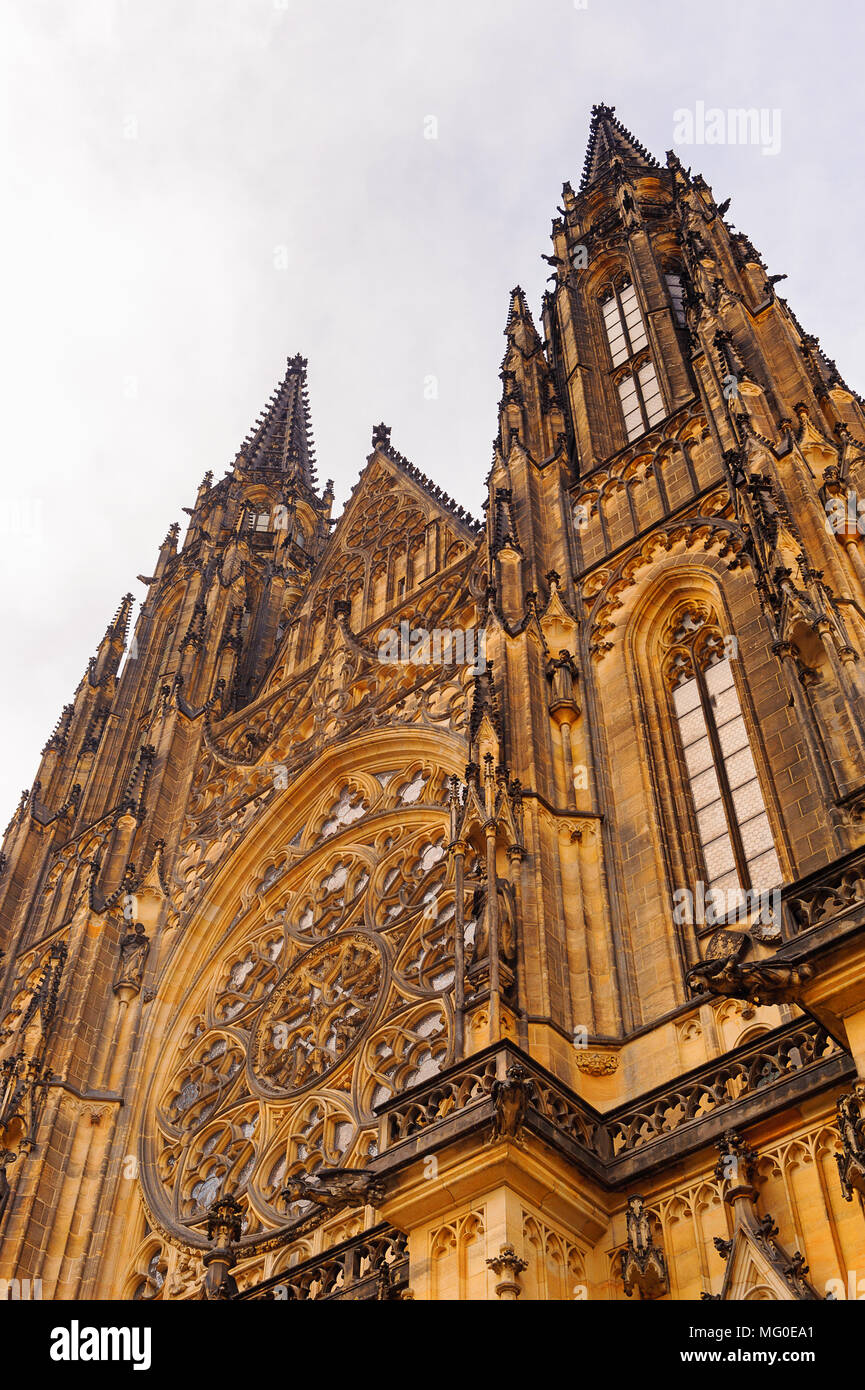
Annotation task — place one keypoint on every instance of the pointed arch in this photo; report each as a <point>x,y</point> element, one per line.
<point>717,803</point>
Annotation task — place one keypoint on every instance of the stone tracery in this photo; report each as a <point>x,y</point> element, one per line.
<point>331,997</point>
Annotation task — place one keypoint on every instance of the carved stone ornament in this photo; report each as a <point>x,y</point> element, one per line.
<point>224,1229</point>
<point>511,1098</point>
<point>507,1267</point>
<point>334,1189</point>
<point>760,982</point>
<point>643,1264</point>
<point>724,943</point>
<point>597,1063</point>
<point>851,1127</point>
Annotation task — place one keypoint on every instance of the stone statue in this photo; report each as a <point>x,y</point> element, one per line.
<point>134,947</point>
<point>562,672</point>
<point>507,926</point>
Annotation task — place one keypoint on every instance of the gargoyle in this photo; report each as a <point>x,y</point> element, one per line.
<point>760,982</point>
<point>335,1188</point>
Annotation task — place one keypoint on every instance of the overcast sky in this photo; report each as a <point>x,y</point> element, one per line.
<point>195,191</point>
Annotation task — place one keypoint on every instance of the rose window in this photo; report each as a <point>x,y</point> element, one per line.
<point>315,1017</point>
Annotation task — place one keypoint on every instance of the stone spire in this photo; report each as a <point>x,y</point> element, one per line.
<point>609,140</point>
<point>281,438</point>
<point>529,410</point>
<point>112,646</point>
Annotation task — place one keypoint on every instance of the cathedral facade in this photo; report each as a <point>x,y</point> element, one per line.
<point>416,906</point>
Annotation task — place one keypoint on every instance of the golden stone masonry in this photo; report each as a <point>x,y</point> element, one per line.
<point>524,959</point>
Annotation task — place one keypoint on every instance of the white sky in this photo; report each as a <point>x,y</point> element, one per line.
<point>161,157</point>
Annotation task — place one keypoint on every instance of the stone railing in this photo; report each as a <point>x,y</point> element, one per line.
<point>460,1089</point>
<point>370,1266</point>
<point>616,1149</point>
<point>760,1077</point>
<point>828,896</point>
<point>796,1049</point>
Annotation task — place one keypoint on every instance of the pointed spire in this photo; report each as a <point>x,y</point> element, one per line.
<point>518,308</point>
<point>529,409</point>
<point>119,626</point>
<point>281,438</point>
<point>112,646</point>
<point>609,140</point>
<point>520,327</point>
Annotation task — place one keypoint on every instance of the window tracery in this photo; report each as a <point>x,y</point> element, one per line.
<point>623,321</point>
<point>641,400</point>
<point>221,1158</point>
<point>331,996</point>
<point>316,1015</point>
<point>200,1082</point>
<point>151,1269</point>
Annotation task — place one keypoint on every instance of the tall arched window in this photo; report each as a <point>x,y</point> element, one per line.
<point>626,332</point>
<point>640,396</point>
<point>735,835</point>
<point>639,393</point>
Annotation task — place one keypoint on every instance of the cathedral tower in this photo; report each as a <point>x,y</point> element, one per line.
<point>416,906</point>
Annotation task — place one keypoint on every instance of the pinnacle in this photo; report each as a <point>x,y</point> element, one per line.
<point>519,313</point>
<point>120,622</point>
<point>520,327</point>
<point>609,140</point>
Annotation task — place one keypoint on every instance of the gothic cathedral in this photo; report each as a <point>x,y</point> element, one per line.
<point>415,906</point>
